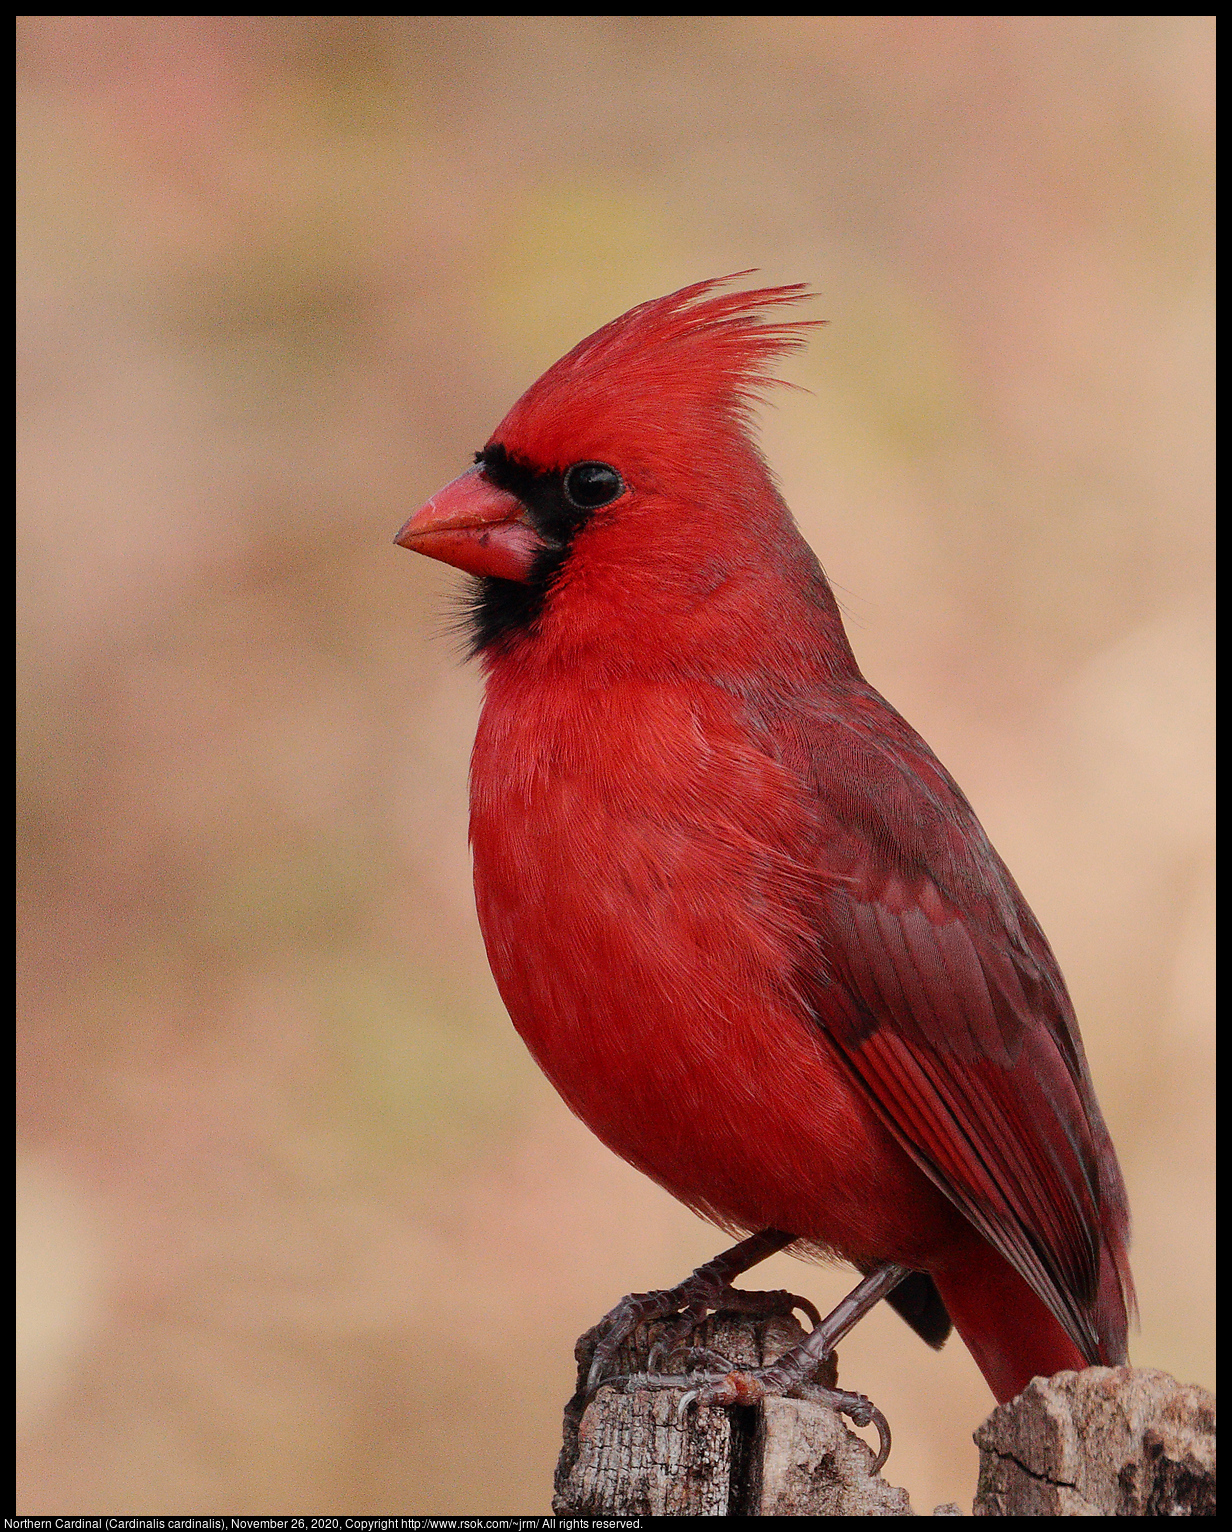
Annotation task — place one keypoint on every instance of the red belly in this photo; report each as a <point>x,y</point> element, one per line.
<point>647,966</point>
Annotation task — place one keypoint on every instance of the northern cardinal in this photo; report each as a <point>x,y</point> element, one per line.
<point>744,919</point>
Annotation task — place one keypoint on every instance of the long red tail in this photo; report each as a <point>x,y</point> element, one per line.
<point>1007,1329</point>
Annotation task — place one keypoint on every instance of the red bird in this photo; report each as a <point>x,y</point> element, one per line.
<point>742,916</point>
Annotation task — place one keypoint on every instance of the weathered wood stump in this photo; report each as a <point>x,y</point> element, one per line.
<point>1110,1441</point>
<point>1118,1441</point>
<point>627,1453</point>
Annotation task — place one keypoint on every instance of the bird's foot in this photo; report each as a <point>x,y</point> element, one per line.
<point>686,1306</point>
<point>808,1370</point>
<point>794,1376</point>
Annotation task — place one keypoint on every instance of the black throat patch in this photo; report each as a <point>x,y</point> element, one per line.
<point>496,610</point>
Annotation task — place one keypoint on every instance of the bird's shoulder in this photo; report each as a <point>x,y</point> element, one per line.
<point>903,864</point>
<point>874,776</point>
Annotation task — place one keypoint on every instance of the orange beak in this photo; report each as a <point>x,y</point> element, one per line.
<point>475,526</point>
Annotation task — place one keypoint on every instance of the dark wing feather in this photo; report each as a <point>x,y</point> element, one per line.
<point>941,993</point>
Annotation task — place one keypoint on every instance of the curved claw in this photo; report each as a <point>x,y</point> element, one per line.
<point>658,1357</point>
<point>670,1342</point>
<point>861,1411</point>
<point>704,1359</point>
<point>614,1328</point>
<point>634,1309</point>
<point>883,1431</point>
<point>883,1434</point>
<point>594,1377</point>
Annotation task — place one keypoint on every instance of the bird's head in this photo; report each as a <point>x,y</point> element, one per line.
<point>627,469</point>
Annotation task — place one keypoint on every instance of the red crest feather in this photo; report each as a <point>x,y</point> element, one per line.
<point>663,368</point>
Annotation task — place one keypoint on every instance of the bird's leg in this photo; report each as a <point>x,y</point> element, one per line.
<point>794,1372</point>
<point>708,1290</point>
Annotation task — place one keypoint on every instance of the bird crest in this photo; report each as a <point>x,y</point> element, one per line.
<point>699,355</point>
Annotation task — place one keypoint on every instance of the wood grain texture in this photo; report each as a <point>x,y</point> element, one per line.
<point>1109,1441</point>
<point>629,1452</point>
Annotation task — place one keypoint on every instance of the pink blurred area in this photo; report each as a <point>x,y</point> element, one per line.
<point>300,1226</point>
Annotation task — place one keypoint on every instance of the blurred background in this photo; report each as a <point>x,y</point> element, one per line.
<point>301,1228</point>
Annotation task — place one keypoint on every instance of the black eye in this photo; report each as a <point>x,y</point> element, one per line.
<point>590,485</point>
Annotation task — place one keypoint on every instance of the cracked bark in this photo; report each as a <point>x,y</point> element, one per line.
<point>1110,1441</point>
<point>627,1453</point>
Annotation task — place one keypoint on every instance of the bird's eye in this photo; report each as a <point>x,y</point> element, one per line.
<point>590,485</point>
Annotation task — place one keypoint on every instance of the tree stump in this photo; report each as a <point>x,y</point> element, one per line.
<point>628,1454</point>
<point>1109,1441</point>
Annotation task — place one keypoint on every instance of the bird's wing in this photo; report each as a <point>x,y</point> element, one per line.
<point>940,992</point>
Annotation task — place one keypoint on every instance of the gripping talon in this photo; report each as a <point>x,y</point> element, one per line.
<point>861,1411</point>
<point>883,1430</point>
<point>708,1290</point>
<point>796,1374</point>
<point>883,1434</point>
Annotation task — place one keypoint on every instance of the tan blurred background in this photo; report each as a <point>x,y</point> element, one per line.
<point>301,1227</point>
